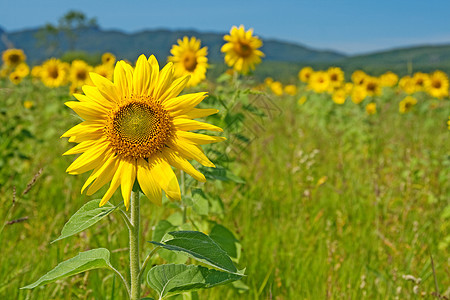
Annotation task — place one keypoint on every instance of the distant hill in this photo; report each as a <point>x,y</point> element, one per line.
<point>158,42</point>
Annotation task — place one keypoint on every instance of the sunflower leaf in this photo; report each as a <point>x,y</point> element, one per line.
<point>84,261</point>
<point>200,247</point>
<point>172,279</point>
<point>85,217</point>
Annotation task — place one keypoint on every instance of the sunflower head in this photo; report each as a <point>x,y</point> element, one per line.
<point>108,59</point>
<point>105,70</point>
<point>319,82</point>
<point>305,73</point>
<point>339,96</point>
<point>79,73</point>
<point>388,79</point>
<point>407,104</point>
<point>358,77</point>
<point>190,59</point>
<point>439,84</point>
<point>136,128</point>
<point>371,108</point>
<point>241,50</point>
<point>15,77</point>
<point>372,85</point>
<point>358,94</point>
<point>22,69</point>
<point>13,57</point>
<point>336,76</point>
<point>54,73</point>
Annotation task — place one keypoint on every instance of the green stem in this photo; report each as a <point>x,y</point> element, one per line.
<point>183,192</point>
<point>134,247</point>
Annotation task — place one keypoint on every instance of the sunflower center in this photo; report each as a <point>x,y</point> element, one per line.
<point>190,61</point>
<point>14,58</point>
<point>139,128</point>
<point>53,72</point>
<point>419,81</point>
<point>436,84</point>
<point>371,86</point>
<point>243,49</point>
<point>334,77</point>
<point>81,75</point>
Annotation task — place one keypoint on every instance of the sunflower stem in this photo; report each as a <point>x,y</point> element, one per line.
<point>134,247</point>
<point>183,192</point>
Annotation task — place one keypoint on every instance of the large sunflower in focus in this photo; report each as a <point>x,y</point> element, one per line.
<point>54,73</point>
<point>189,59</point>
<point>13,57</point>
<point>438,86</point>
<point>241,51</point>
<point>136,129</point>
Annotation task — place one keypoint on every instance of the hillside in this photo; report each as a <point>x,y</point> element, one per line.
<point>159,42</point>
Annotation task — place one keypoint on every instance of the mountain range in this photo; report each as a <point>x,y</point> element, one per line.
<point>283,56</point>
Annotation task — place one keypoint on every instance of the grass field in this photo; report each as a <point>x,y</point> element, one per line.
<point>337,204</point>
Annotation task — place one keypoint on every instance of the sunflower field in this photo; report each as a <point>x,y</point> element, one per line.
<point>332,186</point>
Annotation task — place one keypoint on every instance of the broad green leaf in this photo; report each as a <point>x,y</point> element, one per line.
<point>84,261</point>
<point>171,279</point>
<point>225,239</point>
<point>200,247</point>
<point>85,217</point>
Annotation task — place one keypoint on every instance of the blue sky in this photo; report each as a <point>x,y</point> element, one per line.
<point>348,26</point>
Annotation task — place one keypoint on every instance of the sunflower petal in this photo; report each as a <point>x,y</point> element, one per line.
<point>181,163</point>
<point>165,177</point>
<point>147,183</point>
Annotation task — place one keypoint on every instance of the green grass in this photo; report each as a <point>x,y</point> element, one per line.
<point>378,216</point>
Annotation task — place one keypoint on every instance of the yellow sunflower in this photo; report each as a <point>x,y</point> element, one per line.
<point>305,73</point>
<point>319,81</point>
<point>421,81</point>
<point>358,94</point>
<point>407,104</point>
<point>438,84</point>
<point>136,129</point>
<point>407,85</point>
<point>36,71</point>
<point>79,73</point>
<point>339,96</point>
<point>241,51</point>
<point>372,85</point>
<point>268,81</point>
<point>22,69</point>
<point>15,77</point>
<point>290,89</point>
<point>336,76</point>
<point>388,79</point>
<point>105,70</point>
<point>189,59</point>
<point>54,73</point>
<point>108,59</point>
<point>277,88</point>
<point>371,108</point>
<point>13,57</point>
<point>358,77</point>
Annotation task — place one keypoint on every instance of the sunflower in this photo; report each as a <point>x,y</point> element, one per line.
<point>13,57</point>
<point>371,108</point>
<point>189,59</point>
<point>105,70</point>
<point>358,94</point>
<point>407,85</point>
<point>277,88</point>
<point>290,89</point>
<point>22,69</point>
<point>438,84</point>
<point>268,81</point>
<point>421,81</point>
<point>15,77</point>
<point>319,81</point>
<point>79,73</point>
<point>407,104</point>
<point>358,77</point>
<point>108,59</point>
<point>36,71</point>
<point>137,128</point>
<point>336,76</point>
<point>388,79</point>
<point>339,96</point>
<point>242,49</point>
<point>305,73</point>
<point>54,72</point>
<point>372,85</point>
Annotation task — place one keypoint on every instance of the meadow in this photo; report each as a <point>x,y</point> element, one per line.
<point>324,195</point>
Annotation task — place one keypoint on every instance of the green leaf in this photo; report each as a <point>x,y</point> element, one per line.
<point>85,217</point>
<point>200,247</point>
<point>171,279</point>
<point>84,261</point>
<point>222,174</point>
<point>225,239</point>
